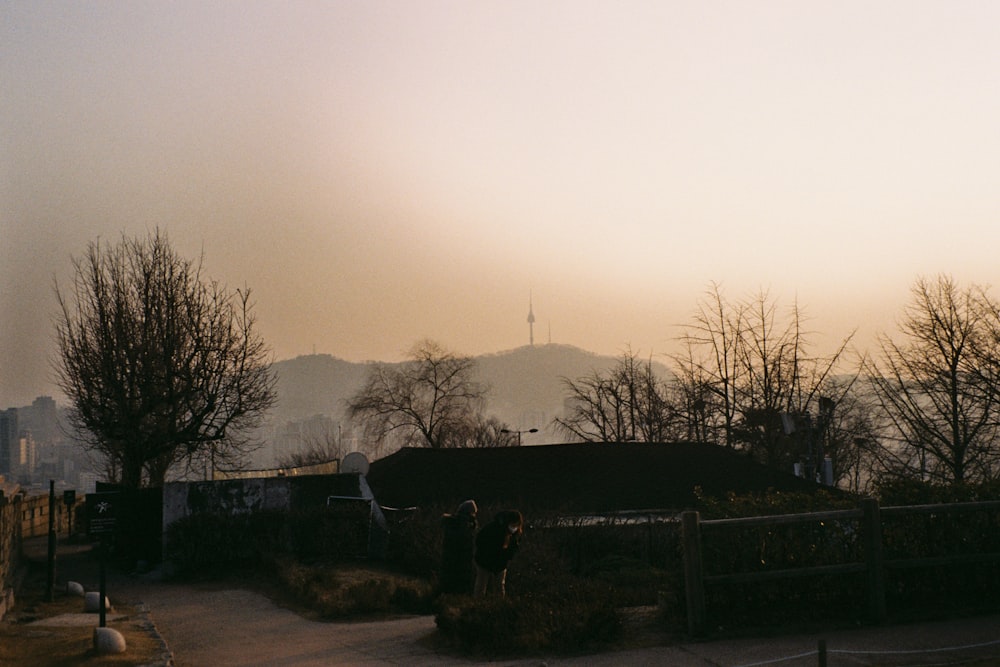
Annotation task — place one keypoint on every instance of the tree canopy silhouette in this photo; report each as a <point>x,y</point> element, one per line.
<point>431,399</point>
<point>161,366</point>
<point>938,385</point>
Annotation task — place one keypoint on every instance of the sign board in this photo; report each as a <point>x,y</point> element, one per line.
<point>102,509</point>
<point>69,497</point>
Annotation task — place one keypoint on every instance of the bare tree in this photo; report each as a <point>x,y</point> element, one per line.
<point>628,402</point>
<point>852,434</point>
<point>316,448</point>
<point>711,369</point>
<point>161,366</point>
<point>939,386</point>
<point>428,399</point>
<point>746,370</point>
<point>483,432</point>
<point>694,398</point>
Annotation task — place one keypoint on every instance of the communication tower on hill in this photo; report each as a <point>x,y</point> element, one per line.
<point>531,323</point>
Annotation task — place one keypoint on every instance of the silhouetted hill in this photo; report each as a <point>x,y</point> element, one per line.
<point>316,384</point>
<point>527,389</point>
<point>526,384</point>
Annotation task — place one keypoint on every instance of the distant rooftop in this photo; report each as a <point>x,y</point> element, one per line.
<point>573,478</point>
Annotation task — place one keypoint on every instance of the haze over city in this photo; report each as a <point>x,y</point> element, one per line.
<point>378,173</point>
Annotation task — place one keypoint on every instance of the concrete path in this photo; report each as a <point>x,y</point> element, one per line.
<point>203,626</point>
<point>213,625</point>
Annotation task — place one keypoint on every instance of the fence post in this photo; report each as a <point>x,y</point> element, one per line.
<point>694,584</point>
<point>50,581</point>
<point>874,559</point>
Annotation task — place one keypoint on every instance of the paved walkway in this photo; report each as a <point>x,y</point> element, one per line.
<point>212,625</point>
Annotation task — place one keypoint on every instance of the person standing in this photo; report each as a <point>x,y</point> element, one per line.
<point>496,545</point>
<point>457,549</point>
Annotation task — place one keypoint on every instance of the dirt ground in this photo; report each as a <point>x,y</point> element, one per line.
<point>28,634</point>
<point>57,633</point>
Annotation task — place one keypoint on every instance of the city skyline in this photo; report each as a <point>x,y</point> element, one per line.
<point>381,173</point>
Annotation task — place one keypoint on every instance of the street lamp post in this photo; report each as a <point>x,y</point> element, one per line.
<point>530,430</point>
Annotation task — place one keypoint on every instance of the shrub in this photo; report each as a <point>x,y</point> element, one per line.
<point>901,491</point>
<point>771,502</point>
<point>371,595</point>
<point>634,582</point>
<point>336,591</point>
<point>548,608</point>
<point>414,543</point>
<point>561,620</point>
<point>207,545</point>
<point>331,534</point>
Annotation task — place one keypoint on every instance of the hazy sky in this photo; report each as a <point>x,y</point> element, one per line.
<point>379,172</point>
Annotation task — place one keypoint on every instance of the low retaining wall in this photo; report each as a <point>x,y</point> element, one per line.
<point>10,548</point>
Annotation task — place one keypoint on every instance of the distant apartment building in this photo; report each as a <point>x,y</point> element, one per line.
<point>35,446</point>
<point>42,419</point>
<point>86,482</point>
<point>9,433</point>
<point>25,459</point>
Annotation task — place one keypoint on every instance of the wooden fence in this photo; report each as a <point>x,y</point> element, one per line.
<point>868,521</point>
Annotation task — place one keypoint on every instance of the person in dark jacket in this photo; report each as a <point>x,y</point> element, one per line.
<point>457,548</point>
<point>496,544</point>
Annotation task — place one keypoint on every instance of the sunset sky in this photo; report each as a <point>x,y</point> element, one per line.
<point>380,172</point>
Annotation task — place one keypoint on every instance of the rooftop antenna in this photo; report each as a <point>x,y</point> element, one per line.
<point>531,322</point>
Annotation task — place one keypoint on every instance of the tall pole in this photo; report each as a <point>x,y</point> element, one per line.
<point>509,431</point>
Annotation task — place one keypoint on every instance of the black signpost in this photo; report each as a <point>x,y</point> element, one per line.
<point>102,510</point>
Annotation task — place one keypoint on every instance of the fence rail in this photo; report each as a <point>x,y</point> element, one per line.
<point>870,519</point>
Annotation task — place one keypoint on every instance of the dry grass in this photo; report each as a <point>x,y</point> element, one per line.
<point>63,647</point>
<point>338,591</point>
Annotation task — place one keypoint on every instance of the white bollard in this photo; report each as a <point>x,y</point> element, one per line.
<point>92,603</point>
<point>75,588</point>
<point>108,640</point>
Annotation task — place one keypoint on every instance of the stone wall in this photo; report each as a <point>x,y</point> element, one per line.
<point>10,547</point>
<point>21,518</point>
<point>35,516</point>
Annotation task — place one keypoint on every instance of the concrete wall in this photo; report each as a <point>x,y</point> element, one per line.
<point>234,496</point>
<point>240,496</point>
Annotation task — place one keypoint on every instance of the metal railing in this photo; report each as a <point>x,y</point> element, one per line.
<point>873,564</point>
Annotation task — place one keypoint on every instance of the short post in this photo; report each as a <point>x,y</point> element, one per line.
<point>50,584</point>
<point>694,584</point>
<point>874,559</point>
<point>103,583</point>
<point>102,512</point>
<point>69,499</point>
<point>821,652</point>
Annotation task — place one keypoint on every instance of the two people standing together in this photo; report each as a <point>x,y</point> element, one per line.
<point>487,551</point>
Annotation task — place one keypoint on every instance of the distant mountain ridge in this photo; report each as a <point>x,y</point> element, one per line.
<point>526,383</point>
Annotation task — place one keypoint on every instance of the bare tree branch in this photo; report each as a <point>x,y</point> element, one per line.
<point>939,388</point>
<point>429,399</point>
<point>161,366</point>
